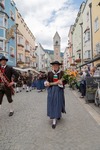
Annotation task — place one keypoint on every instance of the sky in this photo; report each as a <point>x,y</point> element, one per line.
<point>45,17</point>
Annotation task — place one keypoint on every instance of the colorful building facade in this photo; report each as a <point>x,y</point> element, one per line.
<point>70,45</point>
<point>8,31</point>
<point>96,30</point>
<point>87,45</point>
<point>77,37</point>
<point>86,35</point>
<point>25,44</point>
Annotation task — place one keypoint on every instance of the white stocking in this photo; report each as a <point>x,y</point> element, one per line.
<point>54,121</point>
<point>11,107</point>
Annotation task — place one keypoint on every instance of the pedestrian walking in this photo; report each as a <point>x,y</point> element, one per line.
<point>7,73</point>
<point>55,98</point>
<point>29,81</point>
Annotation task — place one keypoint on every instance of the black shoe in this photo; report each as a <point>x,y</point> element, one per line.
<point>53,126</point>
<point>11,113</point>
<point>58,118</point>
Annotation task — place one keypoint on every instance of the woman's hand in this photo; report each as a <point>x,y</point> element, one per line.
<point>46,83</point>
<point>60,82</point>
<point>10,84</point>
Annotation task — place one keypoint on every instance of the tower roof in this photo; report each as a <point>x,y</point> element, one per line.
<point>56,35</point>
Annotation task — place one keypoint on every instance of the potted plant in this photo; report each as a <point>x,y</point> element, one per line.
<point>78,60</point>
<point>12,55</point>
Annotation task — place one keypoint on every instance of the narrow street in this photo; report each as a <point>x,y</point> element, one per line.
<point>30,128</point>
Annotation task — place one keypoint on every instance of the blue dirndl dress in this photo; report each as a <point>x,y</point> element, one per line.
<point>55,102</point>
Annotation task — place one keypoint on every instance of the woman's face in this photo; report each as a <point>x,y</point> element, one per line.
<point>55,67</point>
<point>3,62</point>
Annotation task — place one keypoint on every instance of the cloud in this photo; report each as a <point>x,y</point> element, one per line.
<point>46,17</point>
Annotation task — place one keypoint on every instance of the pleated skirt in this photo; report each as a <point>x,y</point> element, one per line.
<point>55,102</point>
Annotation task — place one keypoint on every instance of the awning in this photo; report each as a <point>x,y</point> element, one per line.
<point>26,69</point>
<point>91,61</point>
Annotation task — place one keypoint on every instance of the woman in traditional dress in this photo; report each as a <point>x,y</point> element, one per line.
<point>55,98</point>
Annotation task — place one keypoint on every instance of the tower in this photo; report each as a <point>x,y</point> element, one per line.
<point>56,44</point>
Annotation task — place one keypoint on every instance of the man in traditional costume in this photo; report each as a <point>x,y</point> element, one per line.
<point>55,98</point>
<point>7,73</point>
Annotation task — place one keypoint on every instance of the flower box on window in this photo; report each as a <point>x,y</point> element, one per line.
<point>12,55</point>
<point>78,60</point>
<point>20,44</point>
<point>20,62</point>
<point>26,50</point>
<point>13,37</point>
<point>2,5</point>
<point>73,64</point>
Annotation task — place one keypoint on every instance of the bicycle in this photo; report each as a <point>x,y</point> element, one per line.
<point>97,94</point>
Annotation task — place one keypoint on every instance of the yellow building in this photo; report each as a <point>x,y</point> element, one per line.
<point>25,43</point>
<point>96,30</point>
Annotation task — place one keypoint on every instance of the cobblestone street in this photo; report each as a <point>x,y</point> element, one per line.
<point>30,128</point>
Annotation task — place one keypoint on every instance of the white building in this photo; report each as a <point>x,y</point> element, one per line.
<point>87,32</point>
<point>43,59</point>
<point>66,63</point>
<point>77,37</point>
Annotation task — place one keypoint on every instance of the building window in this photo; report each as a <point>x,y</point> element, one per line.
<point>20,57</point>
<point>79,56</point>
<point>12,51</point>
<point>1,20</point>
<point>5,22</point>
<point>27,47</point>
<point>98,48</point>
<point>96,24</point>
<point>88,54</point>
<point>87,16</point>
<point>12,15</point>
<point>2,33</point>
<point>1,45</point>
<point>87,36</point>
<point>20,40</point>
<point>27,59</point>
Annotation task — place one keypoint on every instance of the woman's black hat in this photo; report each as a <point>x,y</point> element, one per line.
<point>56,62</point>
<point>3,58</point>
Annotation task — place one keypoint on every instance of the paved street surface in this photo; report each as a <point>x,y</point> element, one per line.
<point>30,128</point>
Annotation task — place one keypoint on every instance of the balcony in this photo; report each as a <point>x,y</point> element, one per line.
<point>27,63</point>
<point>20,45</point>
<point>79,50</point>
<point>20,62</point>
<point>26,50</point>
<point>33,56</point>
<point>73,64</point>
<point>86,59</point>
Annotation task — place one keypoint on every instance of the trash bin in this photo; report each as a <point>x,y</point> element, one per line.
<point>91,88</point>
